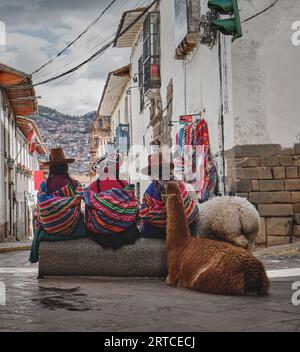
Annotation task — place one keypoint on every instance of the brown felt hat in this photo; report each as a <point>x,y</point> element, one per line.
<point>57,157</point>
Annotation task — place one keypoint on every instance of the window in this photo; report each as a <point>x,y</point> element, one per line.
<point>141,82</point>
<point>151,51</point>
<point>181,20</point>
<point>126,111</point>
<point>187,19</point>
<point>122,138</point>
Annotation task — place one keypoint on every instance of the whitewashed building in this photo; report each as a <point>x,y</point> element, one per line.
<point>246,89</point>
<point>17,165</point>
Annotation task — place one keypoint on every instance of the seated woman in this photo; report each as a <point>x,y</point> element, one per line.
<point>58,211</point>
<point>59,197</point>
<point>111,206</point>
<point>153,212</point>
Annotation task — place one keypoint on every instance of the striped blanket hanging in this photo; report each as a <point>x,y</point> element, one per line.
<point>154,211</point>
<point>110,212</point>
<point>59,212</point>
<point>193,135</point>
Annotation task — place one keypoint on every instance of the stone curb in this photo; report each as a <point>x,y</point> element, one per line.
<point>12,247</point>
<point>278,250</point>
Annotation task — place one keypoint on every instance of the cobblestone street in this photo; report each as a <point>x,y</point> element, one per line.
<point>94,304</point>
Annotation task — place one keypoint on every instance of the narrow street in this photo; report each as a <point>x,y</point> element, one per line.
<point>95,304</point>
<point>146,137</point>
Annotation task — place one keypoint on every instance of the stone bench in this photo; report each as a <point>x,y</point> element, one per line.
<point>146,258</point>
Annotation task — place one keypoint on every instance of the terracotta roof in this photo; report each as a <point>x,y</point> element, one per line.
<point>127,39</point>
<point>17,87</point>
<point>113,89</point>
<point>26,125</point>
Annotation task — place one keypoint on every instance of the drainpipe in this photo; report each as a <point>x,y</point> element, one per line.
<point>222,187</point>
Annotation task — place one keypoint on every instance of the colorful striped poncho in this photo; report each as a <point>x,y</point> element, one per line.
<point>194,135</point>
<point>110,212</point>
<point>59,212</point>
<point>153,209</point>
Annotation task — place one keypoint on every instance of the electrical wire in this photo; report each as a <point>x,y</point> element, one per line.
<point>92,57</point>
<point>259,13</point>
<point>77,38</point>
<point>112,34</point>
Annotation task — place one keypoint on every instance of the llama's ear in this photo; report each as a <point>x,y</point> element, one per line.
<point>173,188</point>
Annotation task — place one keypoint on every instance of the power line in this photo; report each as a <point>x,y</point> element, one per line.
<point>92,41</point>
<point>259,13</point>
<point>95,55</point>
<point>77,38</point>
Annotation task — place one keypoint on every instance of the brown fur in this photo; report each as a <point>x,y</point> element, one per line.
<point>207,265</point>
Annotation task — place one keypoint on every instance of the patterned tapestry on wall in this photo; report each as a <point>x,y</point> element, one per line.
<point>199,170</point>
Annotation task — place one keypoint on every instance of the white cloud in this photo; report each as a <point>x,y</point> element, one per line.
<point>38,29</point>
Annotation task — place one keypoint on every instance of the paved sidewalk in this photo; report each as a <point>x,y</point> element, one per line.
<point>283,250</point>
<point>104,304</point>
<point>14,246</point>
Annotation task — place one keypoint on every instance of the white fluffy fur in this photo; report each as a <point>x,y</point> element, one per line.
<point>230,219</point>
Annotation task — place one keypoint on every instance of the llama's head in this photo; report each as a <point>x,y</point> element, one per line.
<point>173,188</point>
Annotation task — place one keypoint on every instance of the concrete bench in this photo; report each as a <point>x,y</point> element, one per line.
<point>146,258</point>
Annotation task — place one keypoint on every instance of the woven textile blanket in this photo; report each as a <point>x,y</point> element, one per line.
<point>194,135</point>
<point>110,212</point>
<point>59,212</point>
<point>153,209</point>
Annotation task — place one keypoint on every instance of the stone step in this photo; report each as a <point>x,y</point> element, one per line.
<point>146,258</point>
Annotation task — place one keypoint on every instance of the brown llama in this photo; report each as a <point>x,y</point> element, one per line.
<point>208,265</point>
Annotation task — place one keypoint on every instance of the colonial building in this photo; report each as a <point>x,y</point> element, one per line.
<point>245,89</point>
<point>17,162</point>
<point>99,137</point>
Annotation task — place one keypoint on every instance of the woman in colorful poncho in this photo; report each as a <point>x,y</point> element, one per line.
<point>59,197</point>
<point>58,212</point>
<point>153,212</point>
<point>111,206</point>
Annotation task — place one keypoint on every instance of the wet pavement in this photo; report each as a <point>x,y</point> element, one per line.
<point>97,304</point>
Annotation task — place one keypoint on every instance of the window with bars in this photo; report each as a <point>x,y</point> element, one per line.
<point>151,52</point>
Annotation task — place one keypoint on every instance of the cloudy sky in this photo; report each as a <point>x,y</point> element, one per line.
<point>38,29</point>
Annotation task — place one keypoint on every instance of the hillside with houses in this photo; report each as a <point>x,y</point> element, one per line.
<point>57,129</point>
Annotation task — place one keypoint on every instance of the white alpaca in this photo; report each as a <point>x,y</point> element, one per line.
<point>230,219</point>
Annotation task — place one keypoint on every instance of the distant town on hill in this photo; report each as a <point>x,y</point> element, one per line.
<point>68,131</point>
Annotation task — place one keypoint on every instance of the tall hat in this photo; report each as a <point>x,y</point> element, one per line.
<point>57,157</point>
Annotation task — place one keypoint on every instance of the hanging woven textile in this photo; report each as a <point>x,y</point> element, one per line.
<point>194,135</point>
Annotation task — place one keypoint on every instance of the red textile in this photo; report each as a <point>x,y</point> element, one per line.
<point>108,184</point>
<point>38,179</point>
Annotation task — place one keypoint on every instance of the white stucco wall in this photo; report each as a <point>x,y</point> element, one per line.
<point>253,82</point>
<point>2,159</point>
<point>11,143</point>
<point>196,80</point>
<point>266,75</point>
<point>120,107</point>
